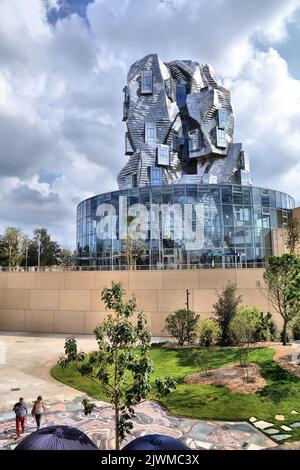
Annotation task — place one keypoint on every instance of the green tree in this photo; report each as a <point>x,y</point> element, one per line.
<point>121,366</point>
<point>13,246</point>
<point>282,278</point>
<point>41,243</point>
<point>66,257</point>
<point>225,309</point>
<point>208,331</point>
<point>242,329</point>
<point>182,325</point>
<point>292,234</point>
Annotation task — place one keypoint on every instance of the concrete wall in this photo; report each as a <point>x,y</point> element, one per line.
<point>69,302</point>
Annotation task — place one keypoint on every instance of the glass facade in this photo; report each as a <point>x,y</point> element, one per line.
<point>238,226</point>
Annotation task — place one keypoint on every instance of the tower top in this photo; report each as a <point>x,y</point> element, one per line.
<point>180,124</point>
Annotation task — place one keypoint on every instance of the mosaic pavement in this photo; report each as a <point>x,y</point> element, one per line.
<point>150,418</point>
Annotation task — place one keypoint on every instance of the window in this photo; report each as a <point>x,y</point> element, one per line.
<point>194,140</point>
<point>150,132</point>
<point>174,142</point>
<point>220,137</point>
<point>128,148</point>
<point>155,175</point>
<point>222,118</point>
<point>128,181</point>
<point>181,93</point>
<point>146,82</point>
<point>126,94</point>
<point>163,157</point>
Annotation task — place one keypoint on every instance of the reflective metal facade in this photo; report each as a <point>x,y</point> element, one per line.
<point>179,109</point>
<point>179,143</point>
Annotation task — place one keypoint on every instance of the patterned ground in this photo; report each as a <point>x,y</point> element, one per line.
<point>150,418</point>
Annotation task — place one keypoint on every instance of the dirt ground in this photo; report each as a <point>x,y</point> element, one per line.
<point>236,378</point>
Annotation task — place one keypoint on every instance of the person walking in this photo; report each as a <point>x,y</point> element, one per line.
<point>20,410</point>
<point>37,410</point>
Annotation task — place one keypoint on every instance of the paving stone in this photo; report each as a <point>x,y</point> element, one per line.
<point>254,447</point>
<point>272,431</point>
<point>252,419</point>
<point>205,445</point>
<point>263,424</point>
<point>286,428</point>
<point>282,437</point>
<point>296,425</point>
<point>280,417</point>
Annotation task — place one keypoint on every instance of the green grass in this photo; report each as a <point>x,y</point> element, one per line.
<point>280,396</point>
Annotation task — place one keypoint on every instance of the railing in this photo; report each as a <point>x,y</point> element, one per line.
<point>157,267</point>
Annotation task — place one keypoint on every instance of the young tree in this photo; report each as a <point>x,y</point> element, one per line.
<point>225,309</point>
<point>282,277</point>
<point>182,325</point>
<point>122,365</point>
<point>242,329</point>
<point>13,245</point>
<point>208,332</point>
<point>133,249</point>
<point>292,234</point>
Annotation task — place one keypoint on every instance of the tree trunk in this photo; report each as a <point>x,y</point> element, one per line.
<point>284,332</point>
<point>117,437</point>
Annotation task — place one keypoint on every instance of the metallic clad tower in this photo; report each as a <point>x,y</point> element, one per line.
<point>180,125</point>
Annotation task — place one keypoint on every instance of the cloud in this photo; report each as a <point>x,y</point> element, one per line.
<point>61,83</point>
<point>267,108</point>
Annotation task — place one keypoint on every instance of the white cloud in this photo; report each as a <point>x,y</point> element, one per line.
<point>61,94</point>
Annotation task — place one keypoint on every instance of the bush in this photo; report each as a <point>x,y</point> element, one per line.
<point>296,328</point>
<point>242,330</point>
<point>225,309</point>
<point>266,330</point>
<point>208,332</point>
<point>182,325</point>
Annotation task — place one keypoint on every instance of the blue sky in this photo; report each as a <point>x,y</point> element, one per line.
<point>63,65</point>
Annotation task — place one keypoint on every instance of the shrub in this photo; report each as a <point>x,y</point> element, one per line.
<point>242,329</point>
<point>182,325</point>
<point>208,331</point>
<point>296,328</point>
<point>225,309</point>
<point>266,330</point>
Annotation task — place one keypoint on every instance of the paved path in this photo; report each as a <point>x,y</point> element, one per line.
<point>29,358</point>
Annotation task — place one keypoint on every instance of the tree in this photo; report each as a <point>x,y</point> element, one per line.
<point>208,332</point>
<point>282,277</point>
<point>13,246</point>
<point>225,309</point>
<point>292,234</point>
<point>41,246</point>
<point>66,257</point>
<point>121,366</point>
<point>182,325</point>
<point>242,329</point>
<point>133,249</point>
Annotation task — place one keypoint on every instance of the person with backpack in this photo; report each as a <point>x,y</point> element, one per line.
<point>38,408</point>
<point>20,410</point>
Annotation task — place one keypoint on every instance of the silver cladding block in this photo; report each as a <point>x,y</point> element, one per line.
<point>180,125</point>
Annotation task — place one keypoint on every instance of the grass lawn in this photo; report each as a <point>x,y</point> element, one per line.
<point>280,396</point>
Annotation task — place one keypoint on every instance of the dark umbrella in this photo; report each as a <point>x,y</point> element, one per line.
<point>57,438</point>
<point>155,442</point>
